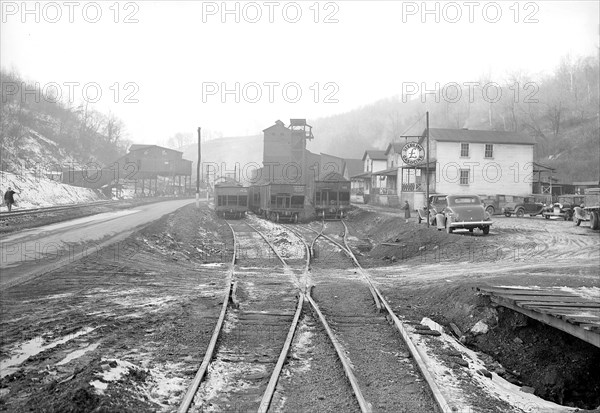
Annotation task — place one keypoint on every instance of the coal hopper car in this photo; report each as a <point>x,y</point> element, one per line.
<point>332,196</point>
<point>231,200</point>
<point>278,202</point>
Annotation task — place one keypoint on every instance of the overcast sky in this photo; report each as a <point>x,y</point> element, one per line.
<point>172,59</point>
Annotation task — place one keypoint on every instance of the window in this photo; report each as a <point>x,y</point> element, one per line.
<point>464,200</point>
<point>464,177</point>
<point>464,149</point>
<point>489,150</point>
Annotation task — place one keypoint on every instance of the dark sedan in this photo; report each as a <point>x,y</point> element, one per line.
<point>466,212</point>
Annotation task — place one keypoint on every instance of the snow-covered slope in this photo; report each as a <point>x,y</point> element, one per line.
<point>33,153</point>
<point>35,192</point>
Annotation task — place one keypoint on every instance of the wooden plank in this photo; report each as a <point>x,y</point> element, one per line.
<point>548,298</point>
<point>585,335</point>
<point>581,321</point>
<point>519,291</point>
<point>571,305</point>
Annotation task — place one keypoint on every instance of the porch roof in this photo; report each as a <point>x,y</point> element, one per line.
<point>387,172</point>
<point>366,175</point>
<point>422,165</point>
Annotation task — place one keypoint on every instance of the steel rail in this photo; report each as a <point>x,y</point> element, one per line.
<point>365,407</point>
<point>274,379</point>
<point>269,243</point>
<point>50,209</point>
<point>268,395</point>
<point>191,392</point>
<point>437,394</point>
<point>340,246</point>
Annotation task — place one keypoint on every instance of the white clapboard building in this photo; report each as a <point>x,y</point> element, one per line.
<point>461,161</point>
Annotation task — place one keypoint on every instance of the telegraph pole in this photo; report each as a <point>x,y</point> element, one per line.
<point>198,170</point>
<point>427,164</point>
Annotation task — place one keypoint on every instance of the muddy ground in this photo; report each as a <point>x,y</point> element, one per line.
<point>428,273</point>
<point>126,330</point>
<point>114,331</point>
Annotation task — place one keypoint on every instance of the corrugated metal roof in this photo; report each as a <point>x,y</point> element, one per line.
<point>479,136</point>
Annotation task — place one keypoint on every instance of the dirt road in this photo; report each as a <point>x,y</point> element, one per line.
<point>38,250</point>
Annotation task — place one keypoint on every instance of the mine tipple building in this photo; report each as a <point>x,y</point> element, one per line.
<point>461,161</point>
<point>285,158</point>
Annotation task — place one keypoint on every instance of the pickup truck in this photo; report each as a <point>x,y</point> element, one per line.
<point>590,210</point>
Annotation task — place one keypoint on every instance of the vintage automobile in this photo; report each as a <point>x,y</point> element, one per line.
<point>493,204</point>
<point>437,204</point>
<point>528,206</point>
<point>465,212</point>
<point>563,208</point>
<point>589,210</point>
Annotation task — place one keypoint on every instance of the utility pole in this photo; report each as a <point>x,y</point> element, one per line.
<point>198,170</point>
<point>427,164</point>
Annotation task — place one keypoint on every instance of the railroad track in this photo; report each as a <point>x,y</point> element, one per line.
<point>240,366</point>
<point>248,369</point>
<point>360,321</point>
<point>4,215</point>
<point>260,312</point>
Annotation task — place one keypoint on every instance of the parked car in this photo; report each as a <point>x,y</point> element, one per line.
<point>563,207</point>
<point>527,206</point>
<point>466,212</point>
<point>437,204</point>
<point>494,204</point>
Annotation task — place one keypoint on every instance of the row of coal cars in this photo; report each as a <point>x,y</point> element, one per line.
<point>474,212</point>
<point>325,199</point>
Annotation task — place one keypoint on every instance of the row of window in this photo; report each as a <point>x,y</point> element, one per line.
<point>489,150</point>
<point>232,200</point>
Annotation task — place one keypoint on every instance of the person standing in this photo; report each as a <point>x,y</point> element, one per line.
<point>9,198</point>
<point>406,209</point>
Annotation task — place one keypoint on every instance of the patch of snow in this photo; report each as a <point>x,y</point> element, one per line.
<point>77,353</point>
<point>226,378</point>
<point>35,192</point>
<point>99,385</point>
<point>31,348</point>
<point>496,387</point>
<point>592,293</point>
<point>284,241</point>
<point>115,373</point>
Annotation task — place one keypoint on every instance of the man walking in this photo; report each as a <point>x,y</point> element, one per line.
<point>9,198</point>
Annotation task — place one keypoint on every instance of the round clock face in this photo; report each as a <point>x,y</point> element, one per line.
<point>413,153</point>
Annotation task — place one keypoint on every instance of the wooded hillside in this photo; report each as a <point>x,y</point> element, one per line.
<point>560,110</point>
